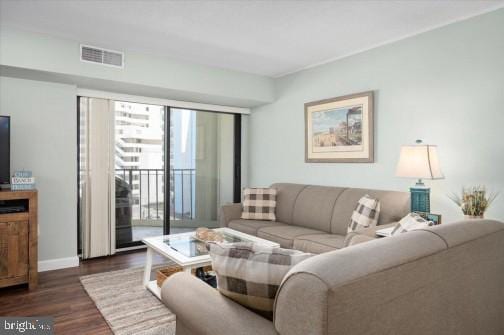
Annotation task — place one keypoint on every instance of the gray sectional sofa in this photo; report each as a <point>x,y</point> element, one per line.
<point>447,279</point>
<point>314,218</point>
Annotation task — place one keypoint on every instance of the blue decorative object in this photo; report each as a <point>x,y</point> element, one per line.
<point>420,199</point>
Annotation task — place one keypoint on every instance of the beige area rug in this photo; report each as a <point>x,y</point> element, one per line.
<point>126,305</point>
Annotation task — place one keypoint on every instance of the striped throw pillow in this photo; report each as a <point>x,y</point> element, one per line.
<point>365,214</point>
<point>411,221</point>
<point>259,204</point>
<point>250,274</point>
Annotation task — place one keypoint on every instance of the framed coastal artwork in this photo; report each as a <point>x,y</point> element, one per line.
<point>340,130</point>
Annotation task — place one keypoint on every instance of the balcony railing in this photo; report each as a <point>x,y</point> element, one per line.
<point>146,189</point>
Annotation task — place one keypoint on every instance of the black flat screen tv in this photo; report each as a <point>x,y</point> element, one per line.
<point>4,150</point>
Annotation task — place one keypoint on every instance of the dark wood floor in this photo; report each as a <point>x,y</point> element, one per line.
<point>61,295</point>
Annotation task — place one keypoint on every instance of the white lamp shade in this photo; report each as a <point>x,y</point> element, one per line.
<point>419,161</point>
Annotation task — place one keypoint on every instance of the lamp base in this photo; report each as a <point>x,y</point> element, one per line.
<point>420,199</point>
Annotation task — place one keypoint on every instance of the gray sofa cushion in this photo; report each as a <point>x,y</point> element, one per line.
<point>252,226</point>
<point>285,235</point>
<point>317,244</point>
<point>314,207</point>
<point>286,199</point>
<point>394,206</point>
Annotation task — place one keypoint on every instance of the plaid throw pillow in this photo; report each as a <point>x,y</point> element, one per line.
<point>259,204</point>
<point>250,274</point>
<point>411,221</point>
<point>365,214</point>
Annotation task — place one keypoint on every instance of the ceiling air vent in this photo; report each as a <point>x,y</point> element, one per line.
<point>102,56</point>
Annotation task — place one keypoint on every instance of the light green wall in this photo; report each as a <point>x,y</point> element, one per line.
<point>44,140</point>
<point>43,57</point>
<point>445,86</point>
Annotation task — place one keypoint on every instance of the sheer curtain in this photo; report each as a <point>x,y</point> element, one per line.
<point>97,177</point>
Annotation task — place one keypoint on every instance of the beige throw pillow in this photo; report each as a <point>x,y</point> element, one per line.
<point>250,274</point>
<point>259,204</point>
<point>365,215</point>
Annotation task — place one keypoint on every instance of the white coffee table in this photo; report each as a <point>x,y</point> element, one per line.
<point>176,247</point>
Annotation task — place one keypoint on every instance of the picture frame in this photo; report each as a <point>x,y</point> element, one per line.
<point>340,130</point>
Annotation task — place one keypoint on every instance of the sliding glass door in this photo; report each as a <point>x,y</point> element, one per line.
<point>139,171</point>
<point>169,170</point>
<point>201,167</point>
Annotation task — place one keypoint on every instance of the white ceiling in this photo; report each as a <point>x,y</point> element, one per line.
<point>269,38</point>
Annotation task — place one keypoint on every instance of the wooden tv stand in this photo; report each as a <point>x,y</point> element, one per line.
<point>19,240</point>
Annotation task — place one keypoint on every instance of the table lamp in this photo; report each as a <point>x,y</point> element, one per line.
<point>419,161</point>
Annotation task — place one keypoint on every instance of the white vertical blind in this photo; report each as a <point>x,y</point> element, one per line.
<point>98,177</point>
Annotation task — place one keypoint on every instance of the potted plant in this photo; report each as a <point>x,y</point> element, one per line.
<point>474,201</point>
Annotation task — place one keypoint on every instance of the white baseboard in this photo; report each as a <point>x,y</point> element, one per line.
<point>58,263</point>
<point>137,247</point>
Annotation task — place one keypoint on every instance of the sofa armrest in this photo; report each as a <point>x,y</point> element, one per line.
<point>203,310</point>
<point>365,234</point>
<point>357,239</point>
<point>229,212</point>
